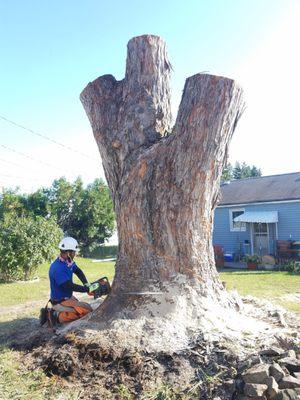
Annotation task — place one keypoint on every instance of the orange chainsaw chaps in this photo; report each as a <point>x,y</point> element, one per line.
<point>80,310</point>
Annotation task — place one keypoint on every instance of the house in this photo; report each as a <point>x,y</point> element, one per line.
<point>254,213</point>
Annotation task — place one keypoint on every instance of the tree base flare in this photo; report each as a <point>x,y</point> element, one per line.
<point>173,318</point>
<point>194,347</point>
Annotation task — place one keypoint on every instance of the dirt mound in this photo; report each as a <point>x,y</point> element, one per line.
<point>203,371</point>
<point>142,353</point>
<point>103,370</point>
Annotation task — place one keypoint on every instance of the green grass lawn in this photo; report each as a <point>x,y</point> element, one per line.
<point>264,284</point>
<point>19,293</point>
<point>20,302</point>
<point>270,285</point>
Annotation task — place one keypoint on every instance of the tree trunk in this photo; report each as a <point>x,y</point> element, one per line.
<point>164,182</point>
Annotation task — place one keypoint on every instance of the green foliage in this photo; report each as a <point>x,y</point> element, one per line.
<point>92,219</point>
<point>64,197</point>
<point>85,213</point>
<point>37,203</point>
<point>239,171</point>
<point>227,173</point>
<point>291,266</point>
<point>254,258</point>
<point>11,202</point>
<point>26,242</point>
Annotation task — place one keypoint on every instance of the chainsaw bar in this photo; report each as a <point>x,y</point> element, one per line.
<point>144,293</point>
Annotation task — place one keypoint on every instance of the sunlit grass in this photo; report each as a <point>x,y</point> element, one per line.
<point>20,293</point>
<point>270,285</point>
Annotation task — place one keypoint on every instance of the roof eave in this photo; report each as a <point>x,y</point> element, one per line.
<point>260,201</point>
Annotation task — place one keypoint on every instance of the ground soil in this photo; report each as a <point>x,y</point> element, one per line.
<point>105,362</point>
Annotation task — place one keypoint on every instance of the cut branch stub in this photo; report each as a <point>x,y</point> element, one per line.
<point>164,188</point>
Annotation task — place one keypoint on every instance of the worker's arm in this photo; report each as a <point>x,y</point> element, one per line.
<point>69,285</point>
<point>79,273</point>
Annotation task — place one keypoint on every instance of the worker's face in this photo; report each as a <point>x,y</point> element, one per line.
<point>71,255</point>
<point>68,255</point>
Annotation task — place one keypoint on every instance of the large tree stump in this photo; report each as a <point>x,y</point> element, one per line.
<point>164,182</point>
<point>168,317</point>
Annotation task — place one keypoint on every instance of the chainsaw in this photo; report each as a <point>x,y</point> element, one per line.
<point>103,289</point>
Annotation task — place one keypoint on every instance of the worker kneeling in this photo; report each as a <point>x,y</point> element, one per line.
<point>65,307</point>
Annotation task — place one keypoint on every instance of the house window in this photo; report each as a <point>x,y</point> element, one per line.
<point>236,226</point>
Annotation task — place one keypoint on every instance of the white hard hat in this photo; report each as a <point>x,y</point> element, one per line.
<point>68,243</point>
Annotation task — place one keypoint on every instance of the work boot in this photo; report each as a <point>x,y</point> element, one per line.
<point>43,316</point>
<point>52,318</point>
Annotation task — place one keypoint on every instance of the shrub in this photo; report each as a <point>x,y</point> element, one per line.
<point>254,258</point>
<point>26,242</point>
<point>291,266</point>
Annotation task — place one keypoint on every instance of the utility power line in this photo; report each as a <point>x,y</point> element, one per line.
<point>48,138</point>
<point>16,177</point>
<point>30,171</point>
<point>12,163</point>
<point>32,158</point>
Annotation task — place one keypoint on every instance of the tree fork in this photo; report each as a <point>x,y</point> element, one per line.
<point>164,182</point>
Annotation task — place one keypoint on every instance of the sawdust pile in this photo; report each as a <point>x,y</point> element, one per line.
<point>186,342</point>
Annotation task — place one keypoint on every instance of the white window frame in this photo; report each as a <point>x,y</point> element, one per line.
<point>242,227</point>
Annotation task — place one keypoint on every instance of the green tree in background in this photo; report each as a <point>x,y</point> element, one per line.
<point>240,171</point>
<point>85,213</point>
<point>63,197</point>
<point>26,242</point>
<point>34,204</point>
<point>31,225</point>
<point>11,202</point>
<point>255,171</point>
<point>37,203</point>
<point>227,174</point>
<point>92,219</point>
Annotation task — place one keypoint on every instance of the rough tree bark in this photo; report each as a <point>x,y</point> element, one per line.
<point>164,182</point>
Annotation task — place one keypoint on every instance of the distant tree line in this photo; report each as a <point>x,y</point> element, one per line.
<point>239,171</point>
<point>31,225</point>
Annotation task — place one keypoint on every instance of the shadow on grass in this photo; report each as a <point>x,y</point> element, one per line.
<point>17,330</point>
<point>257,272</point>
<point>246,272</point>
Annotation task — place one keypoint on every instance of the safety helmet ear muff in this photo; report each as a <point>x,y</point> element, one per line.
<point>68,243</point>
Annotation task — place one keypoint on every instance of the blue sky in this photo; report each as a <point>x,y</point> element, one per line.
<point>51,50</point>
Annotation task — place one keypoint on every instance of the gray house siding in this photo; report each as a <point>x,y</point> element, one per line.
<point>288,227</point>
